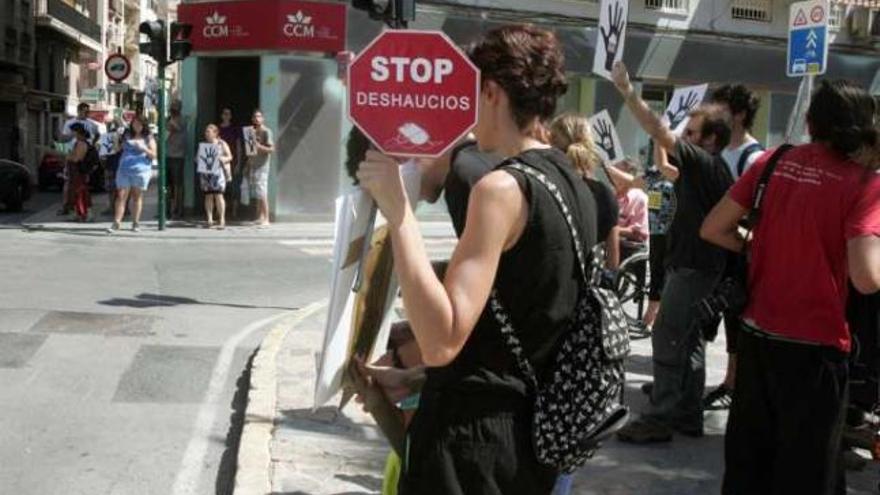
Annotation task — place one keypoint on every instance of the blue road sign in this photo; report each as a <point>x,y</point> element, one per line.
<point>807,38</point>
<point>806,51</point>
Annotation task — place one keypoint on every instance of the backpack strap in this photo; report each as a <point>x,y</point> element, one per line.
<point>744,157</point>
<point>501,316</point>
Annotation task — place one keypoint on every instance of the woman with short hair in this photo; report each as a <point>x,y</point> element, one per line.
<point>472,432</point>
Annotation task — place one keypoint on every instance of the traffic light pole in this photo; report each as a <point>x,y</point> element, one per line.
<point>163,131</point>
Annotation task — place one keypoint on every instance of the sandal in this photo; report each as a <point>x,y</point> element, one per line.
<point>718,399</point>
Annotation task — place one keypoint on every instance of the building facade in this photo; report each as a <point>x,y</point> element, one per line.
<point>669,43</point>
<point>16,74</point>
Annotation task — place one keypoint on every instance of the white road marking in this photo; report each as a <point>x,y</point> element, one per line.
<point>192,467</point>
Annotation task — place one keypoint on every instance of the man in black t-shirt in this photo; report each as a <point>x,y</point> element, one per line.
<point>693,265</point>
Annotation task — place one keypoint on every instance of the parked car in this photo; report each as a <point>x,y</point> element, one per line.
<point>51,174</point>
<point>15,184</point>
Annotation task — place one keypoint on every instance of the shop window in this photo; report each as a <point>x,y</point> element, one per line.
<point>752,10</point>
<point>668,6</point>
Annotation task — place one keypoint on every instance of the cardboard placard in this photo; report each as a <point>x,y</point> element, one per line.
<point>208,158</point>
<point>605,136</point>
<point>683,100</point>
<point>249,136</point>
<point>611,36</point>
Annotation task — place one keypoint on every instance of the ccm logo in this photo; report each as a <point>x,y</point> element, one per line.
<point>215,31</point>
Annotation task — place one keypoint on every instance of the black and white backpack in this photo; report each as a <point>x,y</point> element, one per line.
<point>579,402</point>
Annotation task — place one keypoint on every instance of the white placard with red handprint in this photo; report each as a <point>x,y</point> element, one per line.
<point>605,136</point>
<point>682,102</point>
<point>610,36</point>
<point>208,158</point>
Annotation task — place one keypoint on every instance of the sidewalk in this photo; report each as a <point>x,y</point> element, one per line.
<point>46,220</point>
<point>325,452</point>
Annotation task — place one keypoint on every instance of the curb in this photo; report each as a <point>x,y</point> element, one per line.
<point>252,476</point>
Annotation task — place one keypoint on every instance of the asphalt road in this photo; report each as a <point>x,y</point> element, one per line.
<point>121,358</point>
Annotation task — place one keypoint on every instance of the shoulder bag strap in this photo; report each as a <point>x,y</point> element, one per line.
<point>761,188</point>
<point>744,157</point>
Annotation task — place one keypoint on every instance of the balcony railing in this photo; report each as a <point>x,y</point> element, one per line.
<point>752,10</point>
<point>668,6</point>
<point>73,18</point>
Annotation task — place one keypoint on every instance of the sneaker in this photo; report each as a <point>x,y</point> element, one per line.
<point>718,399</point>
<point>135,227</point>
<point>113,228</point>
<point>642,431</point>
<point>647,388</point>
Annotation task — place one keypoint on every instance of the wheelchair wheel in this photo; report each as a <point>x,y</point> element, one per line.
<point>632,290</point>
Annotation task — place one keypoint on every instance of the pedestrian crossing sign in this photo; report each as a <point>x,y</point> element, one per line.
<point>807,39</point>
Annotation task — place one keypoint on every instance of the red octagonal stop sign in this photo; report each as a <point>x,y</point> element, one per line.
<point>413,93</point>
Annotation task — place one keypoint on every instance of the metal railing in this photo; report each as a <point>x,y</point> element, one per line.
<point>670,6</point>
<point>752,10</point>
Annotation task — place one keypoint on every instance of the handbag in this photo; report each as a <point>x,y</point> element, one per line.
<point>578,404</point>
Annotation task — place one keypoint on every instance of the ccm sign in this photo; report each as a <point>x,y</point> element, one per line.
<point>413,93</point>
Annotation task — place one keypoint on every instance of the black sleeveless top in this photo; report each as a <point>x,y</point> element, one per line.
<point>467,165</point>
<point>538,282</point>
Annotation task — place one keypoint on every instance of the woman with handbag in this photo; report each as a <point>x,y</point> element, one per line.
<point>473,431</point>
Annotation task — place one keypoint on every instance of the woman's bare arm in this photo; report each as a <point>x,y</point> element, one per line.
<point>443,314</point>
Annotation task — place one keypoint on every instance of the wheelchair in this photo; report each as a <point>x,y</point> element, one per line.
<point>632,286</point>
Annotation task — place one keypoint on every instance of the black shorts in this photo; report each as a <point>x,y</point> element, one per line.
<point>461,444</point>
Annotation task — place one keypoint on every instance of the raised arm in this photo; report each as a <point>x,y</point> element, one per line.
<point>443,314</point>
<point>661,159</point>
<point>646,117</point>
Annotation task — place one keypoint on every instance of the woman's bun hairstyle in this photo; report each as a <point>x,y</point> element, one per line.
<point>528,63</point>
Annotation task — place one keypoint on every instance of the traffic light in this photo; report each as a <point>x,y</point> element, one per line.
<point>155,44</point>
<point>395,13</point>
<point>179,45</point>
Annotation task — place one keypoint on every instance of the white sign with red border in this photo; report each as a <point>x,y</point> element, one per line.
<point>117,67</point>
<point>413,93</point>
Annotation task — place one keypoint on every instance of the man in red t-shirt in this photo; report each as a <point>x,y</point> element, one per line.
<point>819,225</point>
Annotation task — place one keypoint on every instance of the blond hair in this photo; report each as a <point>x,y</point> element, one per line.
<point>572,134</point>
<point>583,158</point>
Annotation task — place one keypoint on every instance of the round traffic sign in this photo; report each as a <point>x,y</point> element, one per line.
<point>117,67</point>
<point>413,93</point>
<point>817,15</point>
